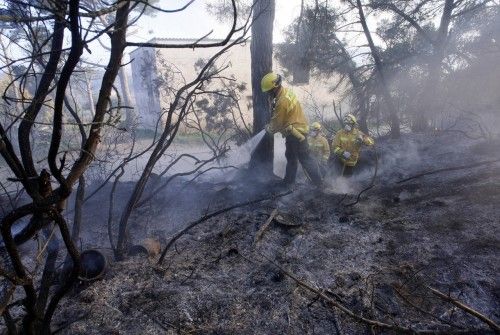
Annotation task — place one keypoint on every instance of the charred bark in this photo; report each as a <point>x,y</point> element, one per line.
<point>40,95</point>
<point>77,218</point>
<point>261,50</point>
<point>118,42</point>
<point>48,274</point>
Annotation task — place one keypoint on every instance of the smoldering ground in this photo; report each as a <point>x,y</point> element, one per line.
<point>376,258</point>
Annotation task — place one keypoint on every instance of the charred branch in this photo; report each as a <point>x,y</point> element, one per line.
<point>214,214</point>
<point>467,309</point>
<point>455,168</point>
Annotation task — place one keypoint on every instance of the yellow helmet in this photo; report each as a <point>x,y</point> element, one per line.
<point>270,81</point>
<point>315,126</point>
<point>350,119</point>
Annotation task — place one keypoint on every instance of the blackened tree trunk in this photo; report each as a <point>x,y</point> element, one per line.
<point>262,62</point>
<point>384,87</point>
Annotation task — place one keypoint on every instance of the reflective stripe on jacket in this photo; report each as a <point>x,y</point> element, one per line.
<point>319,148</point>
<point>287,112</point>
<point>346,141</point>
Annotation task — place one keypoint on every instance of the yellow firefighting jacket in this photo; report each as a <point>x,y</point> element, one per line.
<point>347,141</point>
<point>287,112</point>
<point>319,147</point>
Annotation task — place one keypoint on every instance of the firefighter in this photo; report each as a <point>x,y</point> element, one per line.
<point>319,147</point>
<point>347,145</point>
<point>289,119</point>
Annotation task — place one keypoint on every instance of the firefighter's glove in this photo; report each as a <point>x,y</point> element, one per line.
<point>267,127</point>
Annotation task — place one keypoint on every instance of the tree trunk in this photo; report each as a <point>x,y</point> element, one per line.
<point>118,40</point>
<point>428,96</point>
<point>89,94</point>
<point>49,273</point>
<point>360,98</point>
<point>395,127</point>
<point>127,97</point>
<point>77,219</point>
<point>357,87</point>
<point>123,240</point>
<point>430,93</point>
<point>261,49</point>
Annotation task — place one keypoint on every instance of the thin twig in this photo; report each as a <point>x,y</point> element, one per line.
<point>46,243</point>
<point>261,231</point>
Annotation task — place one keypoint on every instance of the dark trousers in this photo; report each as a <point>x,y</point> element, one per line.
<point>323,169</point>
<point>296,152</point>
<point>343,170</point>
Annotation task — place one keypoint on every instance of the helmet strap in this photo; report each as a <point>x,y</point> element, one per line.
<point>274,92</point>
<point>277,82</point>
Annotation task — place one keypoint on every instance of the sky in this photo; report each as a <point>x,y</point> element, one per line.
<point>195,21</point>
<point>191,23</point>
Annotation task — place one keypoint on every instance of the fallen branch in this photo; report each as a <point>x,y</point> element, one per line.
<point>211,215</point>
<point>421,310</point>
<point>448,169</point>
<point>338,305</point>
<point>467,309</point>
<point>262,229</point>
<point>462,133</point>
<point>370,322</point>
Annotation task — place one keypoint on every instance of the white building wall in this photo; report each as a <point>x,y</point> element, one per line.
<point>314,96</point>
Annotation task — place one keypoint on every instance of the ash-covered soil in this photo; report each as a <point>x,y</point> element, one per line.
<point>378,258</point>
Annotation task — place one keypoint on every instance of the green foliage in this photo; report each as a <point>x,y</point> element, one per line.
<point>220,111</point>
<point>311,43</point>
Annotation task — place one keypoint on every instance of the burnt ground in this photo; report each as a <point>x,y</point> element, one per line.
<point>377,257</point>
